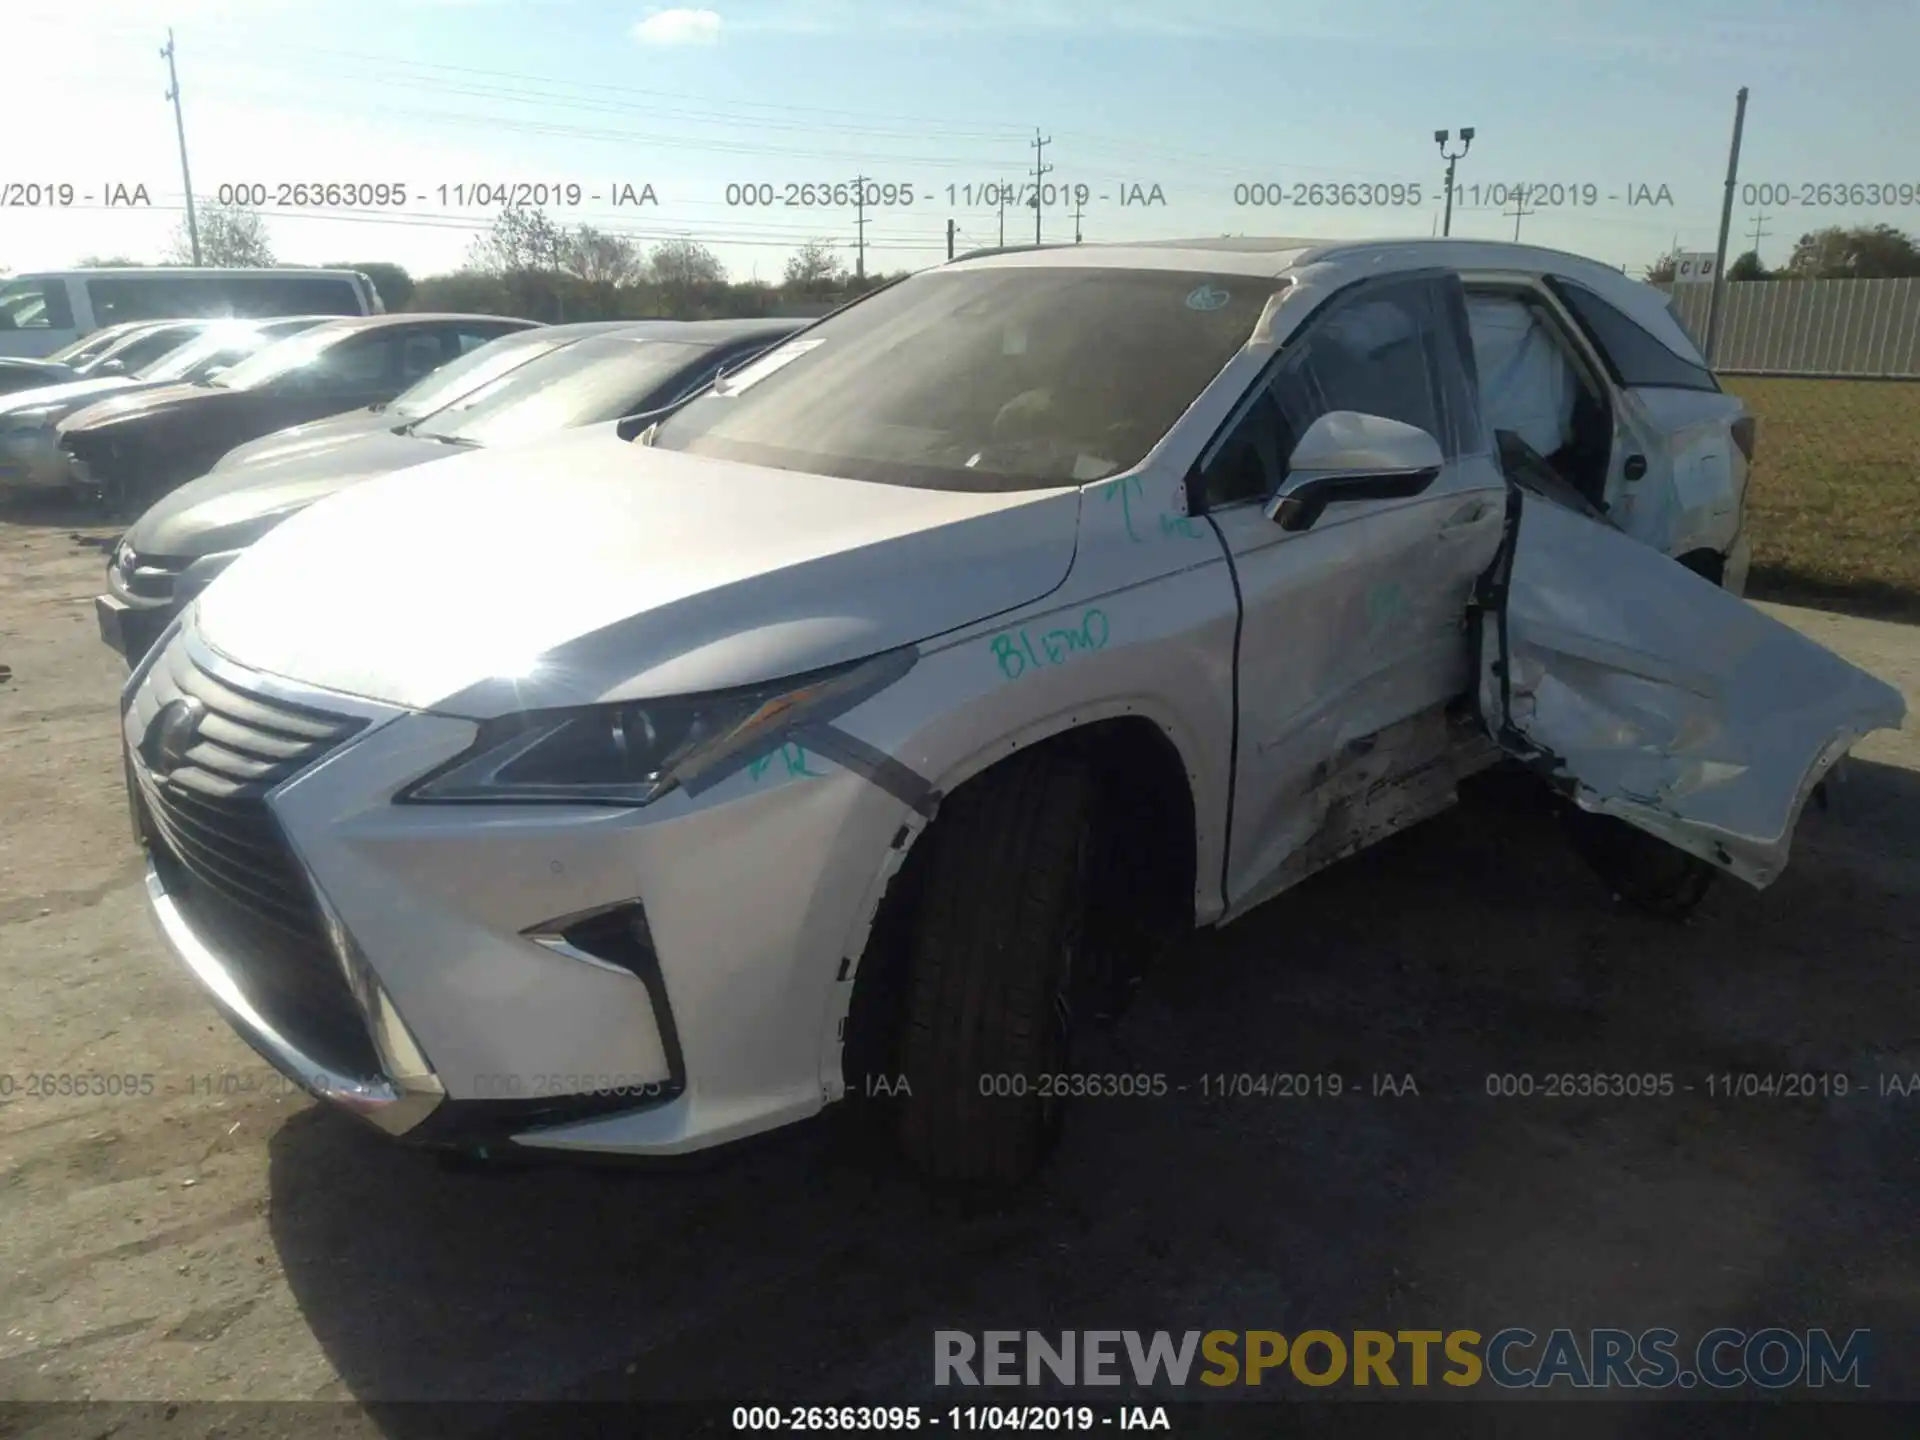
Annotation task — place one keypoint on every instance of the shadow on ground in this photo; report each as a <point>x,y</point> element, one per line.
<point>1472,947</point>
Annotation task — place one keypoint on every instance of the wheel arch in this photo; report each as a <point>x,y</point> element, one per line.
<point>1147,772</point>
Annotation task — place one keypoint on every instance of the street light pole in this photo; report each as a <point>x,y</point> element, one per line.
<point>1466,143</point>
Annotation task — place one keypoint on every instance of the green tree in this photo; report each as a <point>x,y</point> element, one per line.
<point>1863,252</point>
<point>1662,271</point>
<point>519,240</point>
<point>601,258</point>
<point>231,237</point>
<point>103,262</point>
<point>1748,267</point>
<point>814,268</point>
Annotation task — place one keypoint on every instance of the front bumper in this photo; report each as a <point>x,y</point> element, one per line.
<point>145,595</point>
<point>471,954</point>
<point>32,460</point>
<point>129,628</point>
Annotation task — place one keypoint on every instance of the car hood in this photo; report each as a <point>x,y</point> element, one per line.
<point>584,568</point>
<point>70,395</point>
<point>313,438</point>
<point>147,400</point>
<point>233,506</point>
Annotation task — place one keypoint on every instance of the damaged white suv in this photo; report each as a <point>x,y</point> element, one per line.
<point>640,794</point>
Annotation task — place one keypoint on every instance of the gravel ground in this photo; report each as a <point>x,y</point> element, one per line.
<point>214,1237</point>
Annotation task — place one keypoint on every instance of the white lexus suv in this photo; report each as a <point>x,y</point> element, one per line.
<point>881,712</point>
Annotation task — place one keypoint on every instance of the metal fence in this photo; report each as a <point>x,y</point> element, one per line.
<point>1829,329</point>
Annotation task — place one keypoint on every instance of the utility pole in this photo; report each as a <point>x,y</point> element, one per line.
<point>1003,214</point>
<point>860,228</point>
<point>1076,219</point>
<point>1759,233</point>
<point>1466,144</point>
<point>1726,223</point>
<point>1519,210</point>
<point>950,229</point>
<point>1040,173</point>
<point>180,128</point>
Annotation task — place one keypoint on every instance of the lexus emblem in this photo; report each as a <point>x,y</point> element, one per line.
<point>172,734</point>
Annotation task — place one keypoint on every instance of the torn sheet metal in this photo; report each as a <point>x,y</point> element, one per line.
<point>1653,695</point>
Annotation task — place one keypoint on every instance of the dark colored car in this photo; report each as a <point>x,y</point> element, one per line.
<point>116,350</point>
<point>130,450</point>
<point>30,454</point>
<point>568,376</point>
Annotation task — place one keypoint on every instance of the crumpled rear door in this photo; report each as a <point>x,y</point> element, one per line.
<point>1644,691</point>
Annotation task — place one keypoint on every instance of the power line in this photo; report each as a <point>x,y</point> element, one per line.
<point>996,130</point>
<point>1759,233</point>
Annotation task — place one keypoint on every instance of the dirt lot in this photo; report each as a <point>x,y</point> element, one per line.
<point>217,1238</point>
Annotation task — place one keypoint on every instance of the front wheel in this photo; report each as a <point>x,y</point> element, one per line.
<point>1643,870</point>
<point>996,936</point>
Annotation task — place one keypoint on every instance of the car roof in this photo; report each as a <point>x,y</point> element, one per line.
<point>415,317</point>
<point>710,332</point>
<point>1277,256</point>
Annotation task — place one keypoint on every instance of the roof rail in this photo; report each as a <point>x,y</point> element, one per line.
<point>1013,249</point>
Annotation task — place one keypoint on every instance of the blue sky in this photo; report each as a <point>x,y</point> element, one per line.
<point>1194,97</point>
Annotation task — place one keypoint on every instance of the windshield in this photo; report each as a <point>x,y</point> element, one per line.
<point>595,380</point>
<point>89,347</point>
<point>470,371</point>
<point>277,359</point>
<point>1014,378</point>
<point>217,345</point>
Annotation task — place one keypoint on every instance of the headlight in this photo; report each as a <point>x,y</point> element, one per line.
<point>633,753</point>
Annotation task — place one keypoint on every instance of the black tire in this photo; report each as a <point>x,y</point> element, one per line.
<point>989,962</point>
<point>1643,871</point>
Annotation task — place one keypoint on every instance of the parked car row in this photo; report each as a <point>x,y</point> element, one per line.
<point>858,725</point>
<point>526,383</point>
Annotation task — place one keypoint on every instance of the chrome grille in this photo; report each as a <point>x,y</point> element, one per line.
<point>224,857</point>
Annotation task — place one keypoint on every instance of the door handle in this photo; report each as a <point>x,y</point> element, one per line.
<point>1465,517</point>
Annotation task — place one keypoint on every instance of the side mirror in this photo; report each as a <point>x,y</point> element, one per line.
<point>216,372</point>
<point>1349,456</point>
<point>113,367</point>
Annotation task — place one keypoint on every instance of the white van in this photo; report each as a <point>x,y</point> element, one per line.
<point>43,312</point>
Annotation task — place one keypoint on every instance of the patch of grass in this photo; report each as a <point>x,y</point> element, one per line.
<point>1834,500</point>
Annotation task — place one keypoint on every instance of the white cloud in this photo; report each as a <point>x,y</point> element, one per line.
<point>679,27</point>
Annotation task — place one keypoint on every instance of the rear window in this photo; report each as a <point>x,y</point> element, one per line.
<point>1020,378</point>
<point>599,379</point>
<point>472,370</point>
<point>29,304</point>
<point>1632,355</point>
